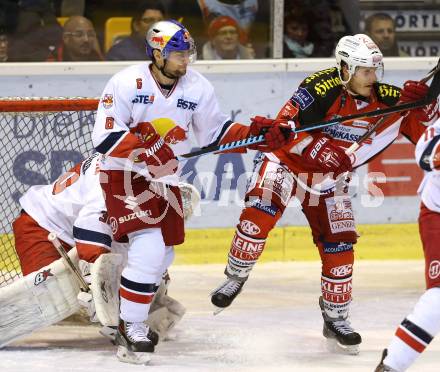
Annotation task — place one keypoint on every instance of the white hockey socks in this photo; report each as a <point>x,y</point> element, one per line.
<point>415,332</point>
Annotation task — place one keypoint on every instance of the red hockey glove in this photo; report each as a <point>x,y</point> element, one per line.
<point>276,133</point>
<point>159,157</point>
<point>414,91</point>
<point>327,157</point>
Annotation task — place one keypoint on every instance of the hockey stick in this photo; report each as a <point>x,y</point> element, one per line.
<point>433,92</point>
<point>52,237</point>
<point>373,128</point>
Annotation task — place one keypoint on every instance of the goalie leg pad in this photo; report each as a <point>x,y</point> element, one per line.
<point>106,277</point>
<point>38,300</point>
<point>165,312</point>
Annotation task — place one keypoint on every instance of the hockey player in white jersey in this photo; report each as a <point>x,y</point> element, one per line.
<point>73,208</point>
<point>419,328</point>
<point>143,120</point>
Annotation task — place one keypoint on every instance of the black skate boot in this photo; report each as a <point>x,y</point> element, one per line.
<point>339,333</point>
<point>382,367</point>
<point>223,296</point>
<point>134,345</point>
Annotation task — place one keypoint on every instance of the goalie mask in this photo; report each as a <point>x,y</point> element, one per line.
<point>358,51</point>
<point>172,39</point>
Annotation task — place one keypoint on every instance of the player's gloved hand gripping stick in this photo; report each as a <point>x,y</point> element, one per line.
<point>433,93</point>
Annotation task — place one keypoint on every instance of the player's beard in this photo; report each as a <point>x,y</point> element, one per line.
<point>174,74</point>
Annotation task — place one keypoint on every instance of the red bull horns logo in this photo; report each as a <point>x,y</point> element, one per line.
<point>166,128</point>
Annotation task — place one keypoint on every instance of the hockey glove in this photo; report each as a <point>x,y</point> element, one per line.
<point>159,157</point>
<point>414,91</point>
<point>276,133</point>
<point>327,157</point>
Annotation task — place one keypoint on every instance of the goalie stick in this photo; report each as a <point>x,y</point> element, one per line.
<point>52,237</point>
<point>433,93</point>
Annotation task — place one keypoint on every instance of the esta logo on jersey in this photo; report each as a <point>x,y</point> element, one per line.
<point>186,105</point>
<point>146,99</point>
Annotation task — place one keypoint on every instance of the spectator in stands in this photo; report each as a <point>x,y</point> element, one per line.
<point>296,33</point>
<point>243,11</point>
<point>226,39</point>
<point>317,14</point>
<point>34,32</point>
<point>3,46</point>
<point>381,28</point>
<point>133,47</point>
<point>79,42</point>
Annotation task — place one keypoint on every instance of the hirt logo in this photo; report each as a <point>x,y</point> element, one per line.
<point>131,202</point>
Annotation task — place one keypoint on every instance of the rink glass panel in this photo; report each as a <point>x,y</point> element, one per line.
<point>36,148</point>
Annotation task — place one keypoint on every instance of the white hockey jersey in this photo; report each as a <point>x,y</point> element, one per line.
<point>133,106</point>
<point>73,206</point>
<point>427,148</point>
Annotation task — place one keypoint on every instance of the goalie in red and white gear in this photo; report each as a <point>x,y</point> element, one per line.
<point>73,208</point>
<point>419,328</point>
<point>143,120</point>
<point>309,166</point>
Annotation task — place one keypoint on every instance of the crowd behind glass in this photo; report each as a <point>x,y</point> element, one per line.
<point>79,30</point>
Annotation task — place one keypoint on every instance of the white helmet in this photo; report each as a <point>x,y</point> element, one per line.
<point>169,36</point>
<point>358,50</point>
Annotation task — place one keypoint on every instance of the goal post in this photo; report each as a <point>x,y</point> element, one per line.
<point>40,139</point>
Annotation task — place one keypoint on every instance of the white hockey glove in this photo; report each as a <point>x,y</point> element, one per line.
<point>190,199</point>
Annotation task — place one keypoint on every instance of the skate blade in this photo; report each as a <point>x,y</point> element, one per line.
<point>335,347</point>
<point>109,332</point>
<point>218,310</point>
<point>131,357</point>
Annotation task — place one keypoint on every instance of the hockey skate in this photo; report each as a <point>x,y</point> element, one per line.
<point>382,367</point>
<point>223,296</point>
<point>110,332</point>
<point>340,336</point>
<point>134,346</point>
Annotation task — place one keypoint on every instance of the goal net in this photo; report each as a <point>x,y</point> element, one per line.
<point>40,139</point>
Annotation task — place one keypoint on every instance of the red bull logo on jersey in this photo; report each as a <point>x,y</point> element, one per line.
<point>107,101</point>
<point>171,132</point>
<point>166,128</point>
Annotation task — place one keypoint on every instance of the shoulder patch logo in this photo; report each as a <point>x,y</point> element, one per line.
<point>303,98</point>
<point>107,101</point>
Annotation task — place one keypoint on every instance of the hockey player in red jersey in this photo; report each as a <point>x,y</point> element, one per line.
<point>419,328</point>
<point>308,168</point>
<point>140,171</point>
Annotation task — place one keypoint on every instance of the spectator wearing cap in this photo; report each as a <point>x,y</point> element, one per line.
<point>226,41</point>
<point>296,42</point>
<point>79,42</point>
<point>3,47</point>
<point>133,47</point>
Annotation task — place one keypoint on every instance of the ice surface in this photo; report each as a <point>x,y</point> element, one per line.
<point>274,325</point>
